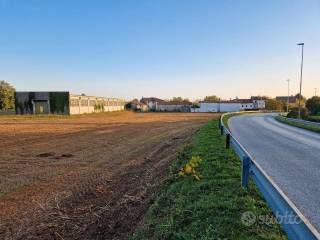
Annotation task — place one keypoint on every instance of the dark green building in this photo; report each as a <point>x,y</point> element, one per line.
<point>42,103</point>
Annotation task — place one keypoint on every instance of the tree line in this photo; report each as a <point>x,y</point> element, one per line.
<point>311,106</point>
<point>6,96</point>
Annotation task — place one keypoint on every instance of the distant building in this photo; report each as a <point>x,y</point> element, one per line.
<point>42,103</point>
<point>152,103</point>
<point>174,106</point>
<point>231,106</point>
<point>222,106</point>
<point>284,99</point>
<point>138,106</point>
<point>80,104</point>
<point>259,102</point>
<point>245,104</point>
<point>63,103</point>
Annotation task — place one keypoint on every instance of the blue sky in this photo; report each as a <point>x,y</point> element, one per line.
<point>163,48</point>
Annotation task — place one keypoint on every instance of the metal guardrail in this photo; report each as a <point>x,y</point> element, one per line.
<point>293,222</point>
<point>304,122</point>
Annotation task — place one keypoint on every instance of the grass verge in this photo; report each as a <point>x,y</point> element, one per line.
<point>297,124</point>
<point>213,207</point>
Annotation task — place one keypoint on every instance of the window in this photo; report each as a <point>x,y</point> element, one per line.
<point>84,103</point>
<point>74,102</point>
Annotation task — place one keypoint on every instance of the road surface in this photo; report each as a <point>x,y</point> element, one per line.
<point>289,155</point>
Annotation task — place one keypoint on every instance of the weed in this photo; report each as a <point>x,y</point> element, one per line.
<point>211,208</point>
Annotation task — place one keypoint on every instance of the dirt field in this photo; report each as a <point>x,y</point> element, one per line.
<point>85,177</point>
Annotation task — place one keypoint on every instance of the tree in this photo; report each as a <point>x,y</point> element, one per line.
<point>212,98</point>
<point>303,99</point>
<point>179,99</point>
<point>272,104</point>
<point>6,96</point>
<point>294,113</point>
<point>313,105</point>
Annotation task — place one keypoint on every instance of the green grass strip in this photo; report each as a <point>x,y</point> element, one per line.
<point>212,207</point>
<point>299,125</point>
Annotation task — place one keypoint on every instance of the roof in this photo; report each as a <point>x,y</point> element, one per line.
<point>96,97</point>
<point>242,100</point>
<point>151,99</point>
<point>258,98</point>
<point>292,99</point>
<point>217,102</point>
<point>175,103</point>
<point>231,101</point>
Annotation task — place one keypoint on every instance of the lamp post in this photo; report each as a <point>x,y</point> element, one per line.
<point>288,80</point>
<point>302,46</point>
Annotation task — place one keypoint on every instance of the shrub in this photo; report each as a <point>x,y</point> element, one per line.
<point>313,105</point>
<point>294,113</point>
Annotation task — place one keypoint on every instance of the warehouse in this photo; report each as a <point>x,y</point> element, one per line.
<point>231,106</point>
<point>63,103</point>
<point>80,104</point>
<point>223,106</point>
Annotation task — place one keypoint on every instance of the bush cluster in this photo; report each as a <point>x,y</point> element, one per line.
<point>310,112</point>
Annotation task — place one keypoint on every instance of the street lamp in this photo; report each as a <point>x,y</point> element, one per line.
<point>288,80</point>
<point>299,112</point>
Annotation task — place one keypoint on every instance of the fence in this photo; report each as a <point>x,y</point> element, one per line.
<point>281,205</point>
<point>304,122</point>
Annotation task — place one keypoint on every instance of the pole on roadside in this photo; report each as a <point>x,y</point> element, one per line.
<point>228,140</point>
<point>288,80</point>
<point>315,92</point>
<point>300,96</point>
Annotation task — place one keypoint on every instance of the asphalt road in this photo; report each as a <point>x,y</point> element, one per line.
<point>289,155</point>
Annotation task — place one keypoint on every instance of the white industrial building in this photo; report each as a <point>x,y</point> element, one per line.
<point>88,104</point>
<point>231,106</point>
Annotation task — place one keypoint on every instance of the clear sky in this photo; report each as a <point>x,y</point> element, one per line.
<point>163,48</point>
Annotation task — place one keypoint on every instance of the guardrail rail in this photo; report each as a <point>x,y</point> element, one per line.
<point>280,204</point>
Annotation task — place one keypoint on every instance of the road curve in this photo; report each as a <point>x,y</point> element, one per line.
<point>289,155</point>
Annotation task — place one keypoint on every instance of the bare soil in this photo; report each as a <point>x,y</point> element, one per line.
<point>85,177</point>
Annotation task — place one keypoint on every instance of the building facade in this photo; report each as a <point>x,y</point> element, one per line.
<point>284,99</point>
<point>230,106</point>
<point>207,106</point>
<point>42,103</point>
<point>80,104</point>
<point>152,103</point>
<point>64,103</point>
<point>173,106</point>
<point>259,102</point>
<point>138,106</point>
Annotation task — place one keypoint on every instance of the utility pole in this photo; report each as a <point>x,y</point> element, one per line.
<point>288,80</point>
<point>300,96</point>
<point>315,92</point>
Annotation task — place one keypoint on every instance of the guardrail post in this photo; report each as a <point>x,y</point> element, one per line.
<point>245,172</point>
<point>222,130</point>
<point>228,137</point>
